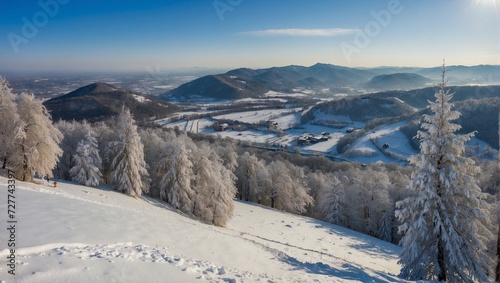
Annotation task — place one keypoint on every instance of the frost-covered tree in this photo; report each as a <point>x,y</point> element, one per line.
<point>194,179</point>
<point>263,183</point>
<point>214,187</point>
<point>446,223</point>
<point>246,172</point>
<point>129,173</point>
<point>106,135</point>
<point>175,172</point>
<point>155,141</point>
<point>385,227</point>
<point>280,180</point>
<point>368,189</point>
<point>37,150</point>
<point>226,149</point>
<point>73,133</point>
<point>300,198</point>
<point>88,162</point>
<point>287,190</point>
<point>10,124</point>
<point>331,203</point>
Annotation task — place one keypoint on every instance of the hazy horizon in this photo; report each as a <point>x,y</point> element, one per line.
<point>170,36</point>
<point>206,70</point>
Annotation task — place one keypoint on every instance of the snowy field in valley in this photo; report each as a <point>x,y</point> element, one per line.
<point>255,116</point>
<point>75,234</point>
<point>369,148</point>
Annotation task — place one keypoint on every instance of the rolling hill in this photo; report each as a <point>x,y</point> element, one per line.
<point>216,87</point>
<point>397,81</point>
<point>99,101</point>
<point>418,97</point>
<point>361,108</point>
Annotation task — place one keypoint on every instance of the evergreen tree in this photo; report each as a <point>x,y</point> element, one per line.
<point>129,171</point>
<point>385,227</point>
<point>87,162</point>
<point>446,223</point>
<point>37,149</point>
<point>73,133</point>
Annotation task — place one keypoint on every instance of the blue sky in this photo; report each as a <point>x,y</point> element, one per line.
<point>127,35</point>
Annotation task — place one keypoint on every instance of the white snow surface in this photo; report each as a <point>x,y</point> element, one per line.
<point>75,234</point>
<point>370,152</point>
<point>141,98</point>
<point>255,116</point>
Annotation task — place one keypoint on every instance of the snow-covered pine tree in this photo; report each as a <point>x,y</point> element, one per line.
<point>446,223</point>
<point>68,145</point>
<point>129,173</point>
<point>73,133</point>
<point>37,150</point>
<point>385,227</point>
<point>88,162</point>
<point>10,124</point>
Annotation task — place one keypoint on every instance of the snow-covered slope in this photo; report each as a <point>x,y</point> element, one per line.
<point>79,234</point>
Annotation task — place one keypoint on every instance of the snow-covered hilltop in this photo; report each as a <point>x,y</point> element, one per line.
<point>73,233</point>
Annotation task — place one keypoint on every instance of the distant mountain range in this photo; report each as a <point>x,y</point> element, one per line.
<point>99,101</point>
<point>286,79</point>
<point>326,79</point>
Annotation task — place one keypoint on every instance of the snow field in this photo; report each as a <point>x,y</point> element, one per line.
<point>365,151</point>
<point>74,233</point>
<point>255,116</point>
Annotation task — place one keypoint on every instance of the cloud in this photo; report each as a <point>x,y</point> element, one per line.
<point>301,32</point>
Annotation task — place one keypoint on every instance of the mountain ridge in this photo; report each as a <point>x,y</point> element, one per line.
<point>217,87</point>
<point>98,101</point>
<point>323,78</point>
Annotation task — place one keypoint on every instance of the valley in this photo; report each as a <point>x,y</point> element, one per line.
<point>360,115</point>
